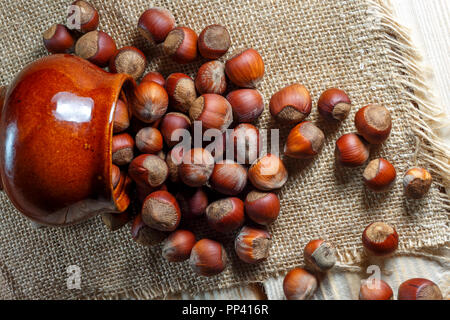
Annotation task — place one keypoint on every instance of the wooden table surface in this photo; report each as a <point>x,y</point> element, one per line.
<point>428,21</point>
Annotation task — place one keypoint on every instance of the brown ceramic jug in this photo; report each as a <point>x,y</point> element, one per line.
<point>55,140</point>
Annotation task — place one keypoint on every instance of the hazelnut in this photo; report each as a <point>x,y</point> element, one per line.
<point>196,167</point>
<point>96,47</point>
<point>122,149</point>
<point>89,17</point>
<point>291,104</point>
<point>252,245</point>
<point>150,102</point>
<point>145,235</point>
<point>319,255</point>
<point>228,177</point>
<point>160,211</point>
<point>351,150</point>
<point>268,173</point>
<point>373,122</point>
<point>225,215</point>
<point>121,120</point>
<point>178,246</point>
<point>148,170</point>
<point>247,144</point>
<point>57,39</point>
<point>115,221</point>
<point>304,141</point>
<point>299,284</point>
<point>416,182</point>
<point>172,122</point>
<point>193,202</point>
<point>245,68</point>
<point>211,78</point>
<point>214,41</point>
<point>208,258</point>
<point>174,159</point>
<point>380,239</point>
<point>419,289</point>
<point>181,45</point>
<point>334,104</point>
<point>155,77</point>
<point>247,104</point>
<point>375,290</point>
<point>155,24</point>
<point>213,111</point>
<point>129,60</point>
<point>379,175</point>
<point>262,207</point>
<point>115,175</point>
<point>149,140</point>
<point>181,91</point>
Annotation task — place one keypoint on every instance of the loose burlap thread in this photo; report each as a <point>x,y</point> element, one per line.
<point>353,45</point>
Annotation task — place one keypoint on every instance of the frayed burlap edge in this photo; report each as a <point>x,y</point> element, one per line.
<point>427,117</point>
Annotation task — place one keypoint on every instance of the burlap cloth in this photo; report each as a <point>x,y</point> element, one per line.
<point>353,45</point>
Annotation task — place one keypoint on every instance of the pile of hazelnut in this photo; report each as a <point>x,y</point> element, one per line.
<point>174,183</point>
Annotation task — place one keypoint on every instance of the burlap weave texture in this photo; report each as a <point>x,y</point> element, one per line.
<point>318,43</point>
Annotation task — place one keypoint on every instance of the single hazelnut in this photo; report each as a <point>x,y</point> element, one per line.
<point>214,41</point>
<point>122,149</point>
<point>225,215</point>
<point>252,245</point>
<point>262,207</point>
<point>174,159</point>
<point>129,60</point>
<point>208,258</point>
<point>380,239</point>
<point>181,91</point>
<point>150,102</point>
<point>228,177</point>
<point>319,255</point>
<point>57,39</point>
<point>304,141</point>
<point>247,143</point>
<point>181,45</point>
<point>154,76</point>
<point>213,111</point>
<point>268,173</point>
<point>178,246</point>
<point>89,17</point>
<point>334,104</point>
<point>196,167</point>
<point>299,284</point>
<point>115,221</point>
<point>419,289</point>
<point>171,126</point>
<point>375,289</point>
<point>247,104</point>
<point>149,140</point>
<point>193,202</point>
<point>96,47</point>
<point>245,68</point>
<point>145,235</point>
<point>416,182</point>
<point>373,122</point>
<point>149,170</point>
<point>211,78</point>
<point>291,104</point>
<point>155,24</point>
<point>121,120</point>
<point>379,175</point>
<point>115,175</point>
<point>160,211</point>
<point>351,150</point>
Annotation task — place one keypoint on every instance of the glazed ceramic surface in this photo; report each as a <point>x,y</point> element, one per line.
<point>55,140</point>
